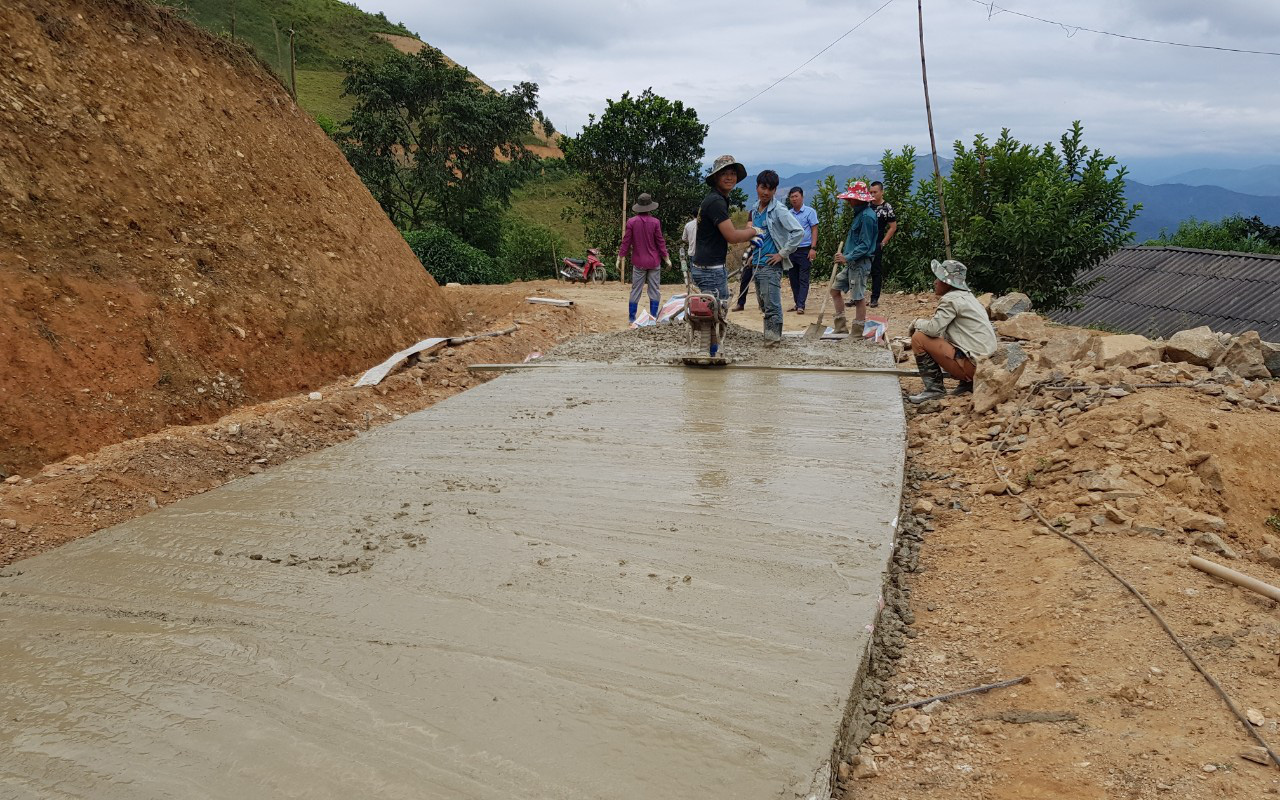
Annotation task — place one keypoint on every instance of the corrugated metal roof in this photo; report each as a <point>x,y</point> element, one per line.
<point>1158,291</point>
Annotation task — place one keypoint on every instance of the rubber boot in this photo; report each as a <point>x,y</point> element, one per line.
<point>840,324</point>
<point>931,374</point>
<point>653,308</point>
<point>963,387</point>
<point>631,312</point>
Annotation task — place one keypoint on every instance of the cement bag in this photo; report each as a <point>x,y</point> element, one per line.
<point>644,319</point>
<point>672,310</point>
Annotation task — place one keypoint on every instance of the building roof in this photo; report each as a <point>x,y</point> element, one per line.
<point>1157,291</point>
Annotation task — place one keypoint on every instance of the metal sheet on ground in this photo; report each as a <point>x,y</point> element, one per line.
<point>650,583</point>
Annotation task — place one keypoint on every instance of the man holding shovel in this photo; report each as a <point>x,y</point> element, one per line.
<point>855,257</point>
<point>956,336</point>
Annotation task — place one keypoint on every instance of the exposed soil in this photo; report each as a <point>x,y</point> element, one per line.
<point>179,239</point>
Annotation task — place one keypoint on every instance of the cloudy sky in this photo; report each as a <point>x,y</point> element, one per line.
<point>1160,108</point>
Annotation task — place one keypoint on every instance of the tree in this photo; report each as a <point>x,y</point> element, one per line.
<point>652,144</point>
<point>1235,233</point>
<point>436,146</point>
<point>1034,218</point>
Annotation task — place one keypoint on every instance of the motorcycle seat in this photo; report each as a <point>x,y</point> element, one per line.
<point>578,261</point>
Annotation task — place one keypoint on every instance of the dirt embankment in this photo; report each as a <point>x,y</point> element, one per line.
<point>178,239</point>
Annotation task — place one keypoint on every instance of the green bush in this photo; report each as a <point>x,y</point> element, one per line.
<point>451,260</point>
<point>1234,233</point>
<point>530,251</point>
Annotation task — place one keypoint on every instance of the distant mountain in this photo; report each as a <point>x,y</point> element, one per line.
<point>1263,180</point>
<point>1167,204</point>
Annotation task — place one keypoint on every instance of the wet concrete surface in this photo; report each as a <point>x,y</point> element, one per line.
<point>647,582</point>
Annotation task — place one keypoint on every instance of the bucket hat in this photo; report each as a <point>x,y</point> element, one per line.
<point>644,203</point>
<point>950,272</point>
<point>857,191</point>
<point>721,164</point>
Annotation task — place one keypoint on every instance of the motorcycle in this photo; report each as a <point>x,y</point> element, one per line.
<point>584,270</point>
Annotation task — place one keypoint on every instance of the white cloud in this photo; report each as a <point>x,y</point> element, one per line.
<point>1136,100</point>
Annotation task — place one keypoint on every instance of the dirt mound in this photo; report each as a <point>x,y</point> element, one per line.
<point>180,238</point>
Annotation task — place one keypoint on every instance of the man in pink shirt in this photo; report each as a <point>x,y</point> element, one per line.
<point>644,243</point>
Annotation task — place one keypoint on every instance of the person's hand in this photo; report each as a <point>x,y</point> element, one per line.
<point>666,262</point>
<point>813,251</point>
<point>775,259</point>
<point>618,264</point>
<point>840,259</point>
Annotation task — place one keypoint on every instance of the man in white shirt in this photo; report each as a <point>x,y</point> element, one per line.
<point>687,241</point>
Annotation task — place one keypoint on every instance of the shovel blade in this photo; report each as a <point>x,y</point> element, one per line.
<point>814,332</point>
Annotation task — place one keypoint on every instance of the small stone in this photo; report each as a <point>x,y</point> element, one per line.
<point>255,469</point>
<point>1255,717</point>
<point>315,396</point>
<point>1213,542</point>
<point>13,479</point>
<point>1209,768</point>
<point>1268,555</point>
<point>920,723</point>
<point>922,506</point>
<point>11,524</point>
<point>1257,755</point>
<point>865,767</point>
<point>1074,439</point>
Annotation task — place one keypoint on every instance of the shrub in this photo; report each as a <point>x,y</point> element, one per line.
<point>530,251</point>
<point>451,260</point>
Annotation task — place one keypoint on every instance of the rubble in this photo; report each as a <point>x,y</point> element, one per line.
<point>1026,326</point>
<point>1127,350</point>
<point>1244,356</point>
<point>1009,305</point>
<point>1199,346</point>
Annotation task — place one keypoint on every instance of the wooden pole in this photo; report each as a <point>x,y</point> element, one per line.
<point>293,68</point>
<point>933,143</point>
<point>622,271</point>
<point>233,20</point>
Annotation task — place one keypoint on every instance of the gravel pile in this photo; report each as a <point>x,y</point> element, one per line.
<point>665,344</point>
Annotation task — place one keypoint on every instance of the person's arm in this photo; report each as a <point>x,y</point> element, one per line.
<point>794,231</point>
<point>625,249</point>
<point>864,242</point>
<point>734,235</point>
<point>938,323</point>
<point>661,242</point>
<point>888,233</point>
<point>813,245</point>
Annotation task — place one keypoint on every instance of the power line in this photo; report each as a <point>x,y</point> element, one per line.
<point>802,66</point>
<point>1072,30</point>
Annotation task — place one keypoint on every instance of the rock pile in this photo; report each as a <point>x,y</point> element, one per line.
<point>1053,401</point>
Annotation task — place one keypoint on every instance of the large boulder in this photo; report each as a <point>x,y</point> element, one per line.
<point>996,379</point>
<point>1199,346</point>
<point>1127,350</point>
<point>1025,326</point>
<point>1009,305</point>
<point>1271,358</point>
<point>1245,357</point>
<point>1066,345</point>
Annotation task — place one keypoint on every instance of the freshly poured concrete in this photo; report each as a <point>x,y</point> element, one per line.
<point>640,583</point>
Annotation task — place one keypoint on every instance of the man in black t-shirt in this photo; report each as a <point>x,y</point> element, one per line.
<point>716,231</point>
<point>887,222</point>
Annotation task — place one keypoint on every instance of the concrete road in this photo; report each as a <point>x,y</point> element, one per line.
<point>578,583</point>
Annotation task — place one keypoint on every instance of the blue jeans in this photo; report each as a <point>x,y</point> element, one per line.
<point>712,280</point>
<point>769,295</point>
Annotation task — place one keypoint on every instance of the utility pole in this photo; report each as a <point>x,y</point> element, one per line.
<point>622,271</point>
<point>233,20</point>
<point>933,143</point>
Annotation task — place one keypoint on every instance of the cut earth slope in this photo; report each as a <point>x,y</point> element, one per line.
<point>178,238</point>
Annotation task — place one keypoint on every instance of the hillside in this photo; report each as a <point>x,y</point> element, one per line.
<point>327,33</point>
<point>179,240</point>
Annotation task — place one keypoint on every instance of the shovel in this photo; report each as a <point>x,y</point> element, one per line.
<point>815,331</point>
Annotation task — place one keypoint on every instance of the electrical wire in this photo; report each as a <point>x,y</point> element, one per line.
<point>1072,30</point>
<point>802,66</point>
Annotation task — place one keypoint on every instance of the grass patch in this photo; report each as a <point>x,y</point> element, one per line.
<point>320,92</point>
<point>542,202</point>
